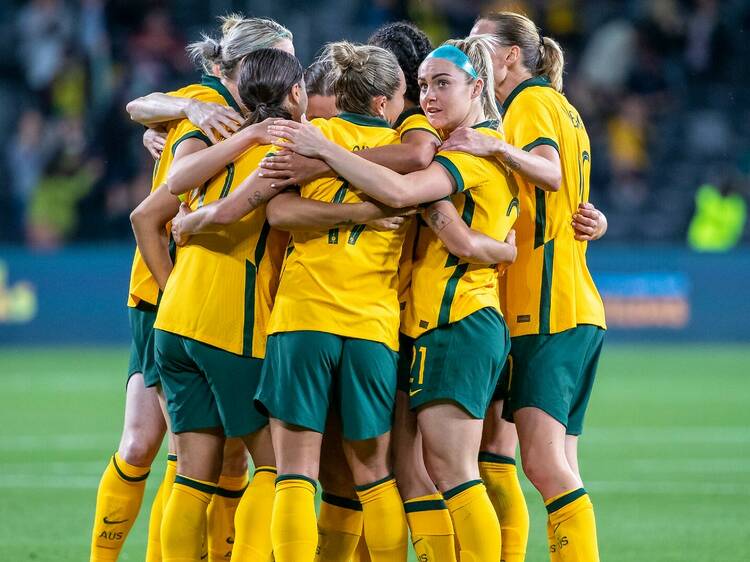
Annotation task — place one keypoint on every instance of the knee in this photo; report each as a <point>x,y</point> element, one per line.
<point>235,458</point>
<point>539,468</point>
<point>139,448</point>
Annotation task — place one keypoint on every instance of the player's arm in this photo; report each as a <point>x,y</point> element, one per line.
<point>589,223</point>
<point>194,163</point>
<point>149,220</point>
<point>292,212</point>
<point>465,243</point>
<point>415,152</point>
<point>540,165</point>
<point>249,195</point>
<point>379,182</point>
<point>158,108</point>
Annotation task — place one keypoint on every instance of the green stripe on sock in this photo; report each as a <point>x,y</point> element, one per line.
<point>567,499</point>
<point>271,470</point>
<point>371,485</point>
<point>171,457</point>
<point>125,476</point>
<point>424,505</point>
<point>460,488</point>
<point>339,501</point>
<point>224,493</point>
<point>200,486</point>
<point>283,477</point>
<point>485,456</point>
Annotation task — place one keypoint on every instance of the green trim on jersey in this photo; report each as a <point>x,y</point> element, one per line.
<point>200,135</point>
<point>451,168</point>
<point>535,81</point>
<point>540,221</point>
<point>364,120</point>
<point>450,292</point>
<point>405,114</point>
<point>545,295</point>
<point>228,181</point>
<point>488,124</point>
<point>467,216</point>
<point>546,141</point>
<point>214,83</point>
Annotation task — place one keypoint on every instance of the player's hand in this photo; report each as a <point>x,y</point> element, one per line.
<point>178,235</point>
<point>290,168</point>
<point>387,223</point>
<point>216,120</point>
<point>510,240</point>
<point>588,223</point>
<point>385,218</point>
<point>154,141</point>
<point>471,141</point>
<point>302,138</point>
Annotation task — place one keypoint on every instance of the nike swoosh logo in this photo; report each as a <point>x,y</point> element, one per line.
<point>414,392</point>
<point>108,522</point>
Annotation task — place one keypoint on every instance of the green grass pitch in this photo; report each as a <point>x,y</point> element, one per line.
<point>666,453</point>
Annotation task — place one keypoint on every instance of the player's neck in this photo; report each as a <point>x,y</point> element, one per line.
<point>514,77</point>
<point>234,90</point>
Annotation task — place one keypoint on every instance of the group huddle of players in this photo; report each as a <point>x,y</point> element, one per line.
<point>369,275</point>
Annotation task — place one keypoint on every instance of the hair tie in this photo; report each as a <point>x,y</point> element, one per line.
<point>541,38</point>
<point>455,55</point>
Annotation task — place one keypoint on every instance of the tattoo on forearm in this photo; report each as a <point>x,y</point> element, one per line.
<point>345,222</point>
<point>255,199</point>
<point>512,164</point>
<point>438,220</point>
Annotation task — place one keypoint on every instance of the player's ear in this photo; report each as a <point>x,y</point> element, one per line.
<point>378,105</point>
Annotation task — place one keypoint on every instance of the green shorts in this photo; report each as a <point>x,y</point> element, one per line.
<point>306,371</point>
<point>207,387</point>
<point>405,357</point>
<point>460,362</point>
<point>555,373</point>
<point>142,358</point>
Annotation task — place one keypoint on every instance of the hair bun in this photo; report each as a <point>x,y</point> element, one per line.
<point>348,57</point>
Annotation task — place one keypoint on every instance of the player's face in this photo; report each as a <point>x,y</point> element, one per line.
<point>321,107</point>
<point>445,93</point>
<point>285,45</point>
<point>395,106</point>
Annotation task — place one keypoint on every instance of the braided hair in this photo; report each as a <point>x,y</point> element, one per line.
<point>410,45</point>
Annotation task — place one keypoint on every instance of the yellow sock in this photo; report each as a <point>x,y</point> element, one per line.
<point>554,553</point>
<point>361,554</point>
<point>571,516</point>
<point>252,522</point>
<point>339,528</point>
<point>431,528</point>
<point>294,526</point>
<point>184,521</point>
<point>118,501</point>
<point>475,522</point>
<point>220,516</point>
<point>501,480</point>
<point>153,546</point>
<point>384,519</point>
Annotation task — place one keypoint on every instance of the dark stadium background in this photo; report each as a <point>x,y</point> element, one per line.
<point>664,90</point>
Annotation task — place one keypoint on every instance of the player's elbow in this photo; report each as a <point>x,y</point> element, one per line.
<point>276,216</point>
<point>175,183</point>
<point>463,248</point>
<point>422,156</point>
<point>134,109</point>
<point>554,180</point>
<point>137,217</point>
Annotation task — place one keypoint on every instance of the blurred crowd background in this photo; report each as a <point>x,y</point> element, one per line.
<point>662,85</point>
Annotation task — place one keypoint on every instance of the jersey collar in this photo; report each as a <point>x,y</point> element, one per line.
<point>535,81</point>
<point>214,83</point>
<point>405,114</point>
<point>365,120</point>
<point>489,124</point>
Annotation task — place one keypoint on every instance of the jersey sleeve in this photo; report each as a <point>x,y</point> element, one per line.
<point>467,171</point>
<point>530,123</point>
<point>416,122</point>
<point>186,130</point>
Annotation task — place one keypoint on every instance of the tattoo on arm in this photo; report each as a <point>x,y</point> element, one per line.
<point>513,164</point>
<point>345,222</point>
<point>438,220</point>
<point>255,199</point>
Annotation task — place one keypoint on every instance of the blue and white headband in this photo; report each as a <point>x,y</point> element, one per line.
<point>456,56</point>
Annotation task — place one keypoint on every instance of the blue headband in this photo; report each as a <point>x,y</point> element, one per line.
<point>456,56</point>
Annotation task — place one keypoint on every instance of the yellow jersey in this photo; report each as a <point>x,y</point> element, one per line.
<point>343,281</point>
<point>220,290</point>
<point>143,286</point>
<point>445,289</point>
<point>549,289</point>
<point>412,119</point>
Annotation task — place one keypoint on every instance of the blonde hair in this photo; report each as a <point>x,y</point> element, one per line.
<point>359,73</point>
<point>479,49</point>
<point>239,37</point>
<point>542,56</point>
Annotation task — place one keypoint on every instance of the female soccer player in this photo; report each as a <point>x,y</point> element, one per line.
<point>450,389</point>
<point>207,355</point>
<point>123,482</point>
<point>558,325</point>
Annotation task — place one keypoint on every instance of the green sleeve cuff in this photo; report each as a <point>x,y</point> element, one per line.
<point>191,135</point>
<point>542,141</point>
<point>452,170</point>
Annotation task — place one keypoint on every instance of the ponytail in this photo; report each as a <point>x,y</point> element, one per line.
<point>551,62</point>
<point>479,49</point>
